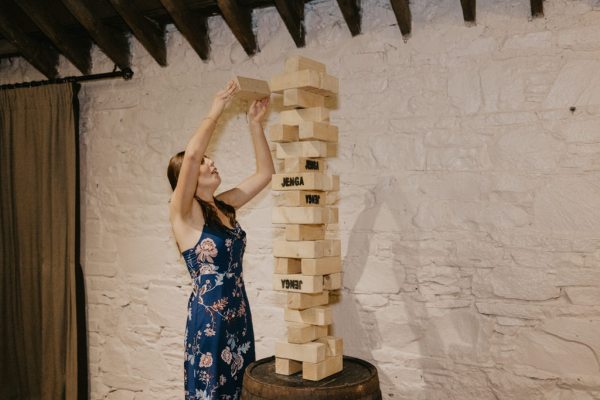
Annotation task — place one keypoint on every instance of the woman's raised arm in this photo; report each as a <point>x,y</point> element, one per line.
<point>253,184</point>
<point>183,194</point>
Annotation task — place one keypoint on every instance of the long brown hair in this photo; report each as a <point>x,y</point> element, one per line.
<point>210,213</point>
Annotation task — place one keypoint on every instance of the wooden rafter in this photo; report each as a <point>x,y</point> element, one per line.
<point>43,58</point>
<point>150,34</point>
<point>239,19</point>
<point>537,8</point>
<point>194,29</point>
<point>292,14</point>
<point>113,42</point>
<point>403,16</point>
<point>76,48</point>
<point>469,10</point>
<point>352,15</point>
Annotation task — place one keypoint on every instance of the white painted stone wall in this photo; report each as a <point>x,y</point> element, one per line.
<point>470,199</point>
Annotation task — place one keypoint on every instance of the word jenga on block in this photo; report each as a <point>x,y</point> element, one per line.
<point>307,265</point>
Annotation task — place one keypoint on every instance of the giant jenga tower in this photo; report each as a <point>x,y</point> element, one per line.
<point>307,265</point>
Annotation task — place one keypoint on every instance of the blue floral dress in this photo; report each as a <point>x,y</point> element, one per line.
<point>219,338</point>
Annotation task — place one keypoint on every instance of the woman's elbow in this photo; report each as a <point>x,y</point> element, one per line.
<point>266,179</point>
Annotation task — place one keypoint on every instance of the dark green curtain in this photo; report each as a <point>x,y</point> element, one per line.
<point>42,329</point>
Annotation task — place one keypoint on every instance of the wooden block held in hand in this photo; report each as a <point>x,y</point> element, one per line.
<point>297,283</point>
<point>287,265</point>
<point>302,301</point>
<point>320,315</point>
<point>302,98</point>
<point>298,63</point>
<point>252,89</point>
<point>283,366</point>
<point>335,345</point>
<point>317,371</point>
<point>304,333</point>
<point>311,352</point>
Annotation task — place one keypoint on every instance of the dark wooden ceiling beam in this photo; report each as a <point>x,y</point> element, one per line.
<point>292,14</point>
<point>537,8</point>
<point>403,16</point>
<point>113,43</point>
<point>239,19</point>
<point>75,48</point>
<point>194,29</point>
<point>43,58</point>
<point>150,34</point>
<point>7,48</point>
<point>469,10</point>
<point>352,15</point>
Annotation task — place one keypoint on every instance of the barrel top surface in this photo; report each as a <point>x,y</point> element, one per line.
<point>355,372</point>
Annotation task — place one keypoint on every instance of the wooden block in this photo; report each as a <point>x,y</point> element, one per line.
<point>252,89</point>
<point>283,366</point>
<point>335,345</point>
<point>306,248</point>
<point>302,301</point>
<point>334,183</point>
<point>312,81</point>
<point>311,130</point>
<point>304,333</point>
<point>305,215</point>
<point>298,63</point>
<point>332,281</point>
<point>297,116</point>
<point>302,79</point>
<point>304,232</point>
<point>302,198</point>
<point>319,315</point>
<point>317,371</point>
<point>309,148</point>
<point>311,352</point>
<point>283,133</point>
<point>321,266</point>
<point>287,266</point>
<point>329,85</point>
<point>297,283</point>
<point>304,181</point>
<point>303,164</point>
<point>302,98</point>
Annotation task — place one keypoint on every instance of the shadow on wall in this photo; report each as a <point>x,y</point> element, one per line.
<point>372,321</point>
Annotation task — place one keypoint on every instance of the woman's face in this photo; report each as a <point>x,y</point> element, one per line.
<point>208,176</point>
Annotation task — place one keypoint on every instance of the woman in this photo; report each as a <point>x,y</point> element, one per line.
<point>219,339</point>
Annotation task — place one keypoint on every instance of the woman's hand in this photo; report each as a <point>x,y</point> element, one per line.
<point>223,98</point>
<point>257,111</point>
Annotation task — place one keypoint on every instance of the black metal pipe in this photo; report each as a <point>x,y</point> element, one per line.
<point>126,74</point>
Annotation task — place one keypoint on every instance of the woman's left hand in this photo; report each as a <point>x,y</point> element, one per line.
<point>258,110</point>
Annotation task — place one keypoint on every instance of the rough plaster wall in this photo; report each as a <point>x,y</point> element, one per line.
<point>470,194</point>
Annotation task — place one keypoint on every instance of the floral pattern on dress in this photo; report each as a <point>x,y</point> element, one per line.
<point>219,336</point>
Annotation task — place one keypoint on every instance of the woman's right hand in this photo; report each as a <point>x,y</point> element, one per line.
<point>223,98</point>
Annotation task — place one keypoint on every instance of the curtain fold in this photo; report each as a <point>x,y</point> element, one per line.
<point>38,243</point>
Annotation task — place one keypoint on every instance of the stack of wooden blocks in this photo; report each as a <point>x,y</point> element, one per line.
<point>307,265</point>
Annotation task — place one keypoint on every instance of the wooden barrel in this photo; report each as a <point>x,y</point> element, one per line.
<point>357,381</point>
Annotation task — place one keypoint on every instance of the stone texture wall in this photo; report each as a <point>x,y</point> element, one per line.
<point>470,199</point>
